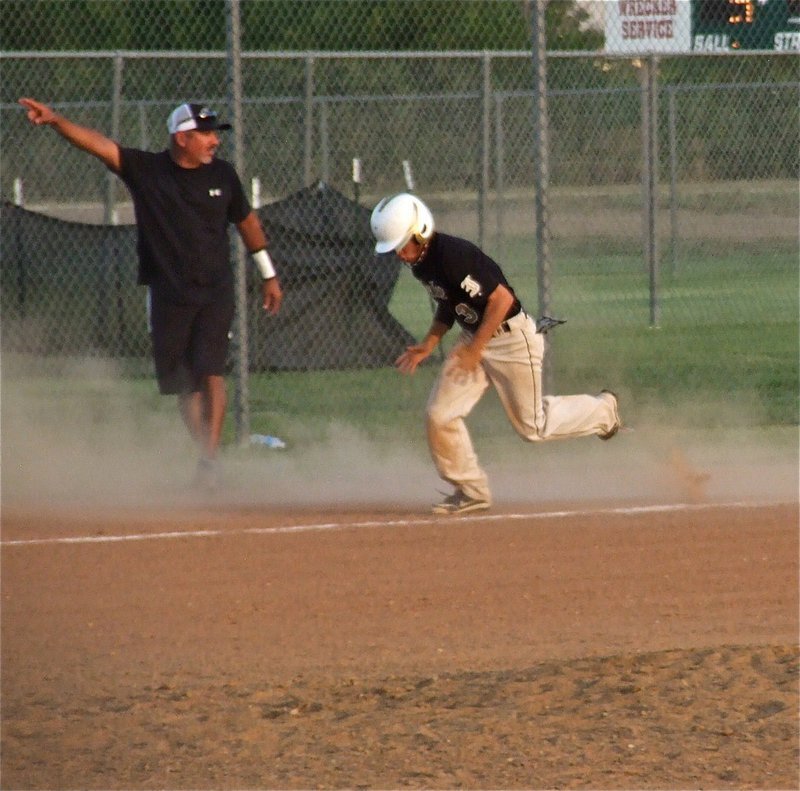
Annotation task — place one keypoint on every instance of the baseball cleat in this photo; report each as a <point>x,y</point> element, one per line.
<point>611,397</point>
<point>459,503</point>
<point>208,476</point>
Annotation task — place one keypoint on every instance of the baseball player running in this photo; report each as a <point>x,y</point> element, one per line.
<point>499,345</point>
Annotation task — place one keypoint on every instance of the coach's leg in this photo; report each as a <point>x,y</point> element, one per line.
<point>216,404</point>
<point>203,412</point>
<point>192,409</point>
<point>209,352</point>
<point>171,333</point>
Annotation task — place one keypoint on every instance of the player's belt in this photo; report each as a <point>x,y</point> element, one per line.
<point>510,323</point>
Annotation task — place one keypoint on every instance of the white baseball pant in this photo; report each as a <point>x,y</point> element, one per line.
<point>512,362</point>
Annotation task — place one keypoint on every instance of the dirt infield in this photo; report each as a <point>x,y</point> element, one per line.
<point>234,648</point>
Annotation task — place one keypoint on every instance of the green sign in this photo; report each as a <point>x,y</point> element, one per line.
<point>729,25</point>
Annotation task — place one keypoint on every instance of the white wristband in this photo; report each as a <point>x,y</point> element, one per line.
<point>264,264</point>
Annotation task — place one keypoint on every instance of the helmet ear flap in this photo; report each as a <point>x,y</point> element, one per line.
<point>424,226</point>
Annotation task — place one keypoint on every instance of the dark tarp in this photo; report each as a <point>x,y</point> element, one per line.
<point>335,314</point>
<point>70,288</point>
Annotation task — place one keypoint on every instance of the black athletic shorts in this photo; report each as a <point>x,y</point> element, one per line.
<point>190,342</point>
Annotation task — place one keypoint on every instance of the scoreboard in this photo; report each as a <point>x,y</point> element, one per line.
<point>651,26</point>
<point>745,25</point>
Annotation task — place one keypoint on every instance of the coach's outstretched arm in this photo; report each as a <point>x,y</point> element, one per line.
<point>89,140</point>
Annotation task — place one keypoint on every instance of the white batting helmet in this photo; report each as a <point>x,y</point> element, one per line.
<point>397,219</point>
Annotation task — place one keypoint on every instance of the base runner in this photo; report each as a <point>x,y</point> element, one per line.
<point>499,346</point>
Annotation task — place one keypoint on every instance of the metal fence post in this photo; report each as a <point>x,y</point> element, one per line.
<point>144,137</point>
<point>486,136</point>
<point>650,179</point>
<point>308,137</point>
<point>541,173</point>
<point>241,360</point>
<point>110,212</point>
<point>324,143</point>
<point>673,182</point>
<point>499,175</point>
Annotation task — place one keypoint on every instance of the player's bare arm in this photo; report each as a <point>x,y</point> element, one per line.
<point>468,355</point>
<point>255,241</point>
<point>82,137</point>
<point>408,361</point>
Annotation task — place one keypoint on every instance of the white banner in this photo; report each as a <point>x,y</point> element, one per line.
<point>644,26</point>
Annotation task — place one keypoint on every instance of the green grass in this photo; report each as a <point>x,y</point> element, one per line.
<point>725,346</point>
<point>698,376</point>
<point>751,365</point>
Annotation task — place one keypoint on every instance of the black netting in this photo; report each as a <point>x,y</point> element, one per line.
<point>70,288</point>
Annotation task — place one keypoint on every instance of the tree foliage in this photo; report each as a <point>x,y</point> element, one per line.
<point>270,25</point>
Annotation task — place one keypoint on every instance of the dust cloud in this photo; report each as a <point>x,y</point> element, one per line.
<point>98,444</point>
<point>654,465</point>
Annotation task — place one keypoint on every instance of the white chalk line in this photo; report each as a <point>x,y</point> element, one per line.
<point>413,522</point>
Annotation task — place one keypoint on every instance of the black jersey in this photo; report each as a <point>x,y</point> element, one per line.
<point>182,217</point>
<point>460,277</point>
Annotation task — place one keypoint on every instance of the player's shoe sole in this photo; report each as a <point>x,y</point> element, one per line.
<point>207,477</point>
<point>459,503</point>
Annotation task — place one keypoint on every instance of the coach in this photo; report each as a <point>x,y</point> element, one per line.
<point>184,198</point>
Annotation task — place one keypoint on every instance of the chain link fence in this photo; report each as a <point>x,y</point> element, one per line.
<point>672,158</point>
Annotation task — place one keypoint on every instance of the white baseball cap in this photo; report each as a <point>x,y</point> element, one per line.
<point>189,116</point>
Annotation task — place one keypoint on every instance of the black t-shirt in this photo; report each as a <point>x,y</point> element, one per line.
<point>460,277</point>
<point>182,217</point>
